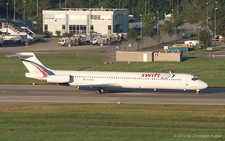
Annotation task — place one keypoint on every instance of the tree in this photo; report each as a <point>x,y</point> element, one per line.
<point>132,34</point>
<point>194,11</point>
<point>139,8</point>
<point>191,11</point>
<point>148,21</point>
<point>220,20</point>
<point>58,32</point>
<point>43,4</point>
<point>168,25</point>
<point>205,38</point>
<point>177,19</point>
<point>148,30</point>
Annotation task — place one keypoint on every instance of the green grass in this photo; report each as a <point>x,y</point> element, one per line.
<point>111,122</point>
<point>108,122</point>
<point>201,51</point>
<point>210,70</point>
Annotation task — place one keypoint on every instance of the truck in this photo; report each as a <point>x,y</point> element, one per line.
<point>138,25</point>
<point>1,41</point>
<point>71,41</point>
<point>101,40</point>
<point>97,41</point>
<point>191,43</point>
<point>176,48</point>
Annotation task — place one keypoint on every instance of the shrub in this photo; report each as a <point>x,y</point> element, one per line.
<point>58,32</point>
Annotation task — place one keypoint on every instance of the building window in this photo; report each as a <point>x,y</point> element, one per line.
<point>95,17</point>
<point>109,27</point>
<point>92,28</point>
<point>46,27</point>
<point>63,27</point>
<point>77,29</point>
<point>81,27</point>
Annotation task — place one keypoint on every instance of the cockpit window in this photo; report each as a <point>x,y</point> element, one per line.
<point>194,78</point>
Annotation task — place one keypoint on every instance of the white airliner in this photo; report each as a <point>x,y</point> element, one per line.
<point>101,80</point>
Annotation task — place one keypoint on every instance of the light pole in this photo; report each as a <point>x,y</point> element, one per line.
<point>60,4</point>
<point>199,32</point>
<point>141,31</point>
<point>14,13</point>
<point>37,8</point>
<point>215,19</point>
<point>65,19</point>
<point>157,26</point>
<point>145,7</point>
<point>7,17</point>
<point>207,17</point>
<point>119,4</point>
<point>198,46</point>
<point>215,28</point>
<point>24,11</point>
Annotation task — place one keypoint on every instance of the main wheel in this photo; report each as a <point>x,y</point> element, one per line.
<point>98,91</point>
<point>102,90</point>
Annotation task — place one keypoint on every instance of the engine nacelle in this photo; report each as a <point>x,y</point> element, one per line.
<point>58,78</point>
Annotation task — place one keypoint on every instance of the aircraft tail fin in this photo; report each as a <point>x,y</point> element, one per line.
<point>35,67</point>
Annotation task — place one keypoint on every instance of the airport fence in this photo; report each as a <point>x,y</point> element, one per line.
<point>147,41</point>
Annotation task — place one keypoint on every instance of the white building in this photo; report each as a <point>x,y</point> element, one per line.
<point>85,20</point>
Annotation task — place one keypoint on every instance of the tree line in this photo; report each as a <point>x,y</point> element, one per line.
<point>184,11</point>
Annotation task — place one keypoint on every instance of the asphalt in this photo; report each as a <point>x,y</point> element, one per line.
<point>36,94</point>
<point>109,50</point>
<point>13,94</point>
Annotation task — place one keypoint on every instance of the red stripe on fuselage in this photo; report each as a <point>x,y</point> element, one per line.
<point>43,72</point>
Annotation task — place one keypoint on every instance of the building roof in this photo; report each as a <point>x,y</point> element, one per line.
<point>88,9</point>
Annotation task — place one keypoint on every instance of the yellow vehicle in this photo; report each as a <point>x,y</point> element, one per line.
<point>106,39</point>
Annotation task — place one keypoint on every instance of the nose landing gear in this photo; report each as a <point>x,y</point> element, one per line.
<point>197,91</point>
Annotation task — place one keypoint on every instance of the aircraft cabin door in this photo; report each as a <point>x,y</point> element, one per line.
<point>186,82</point>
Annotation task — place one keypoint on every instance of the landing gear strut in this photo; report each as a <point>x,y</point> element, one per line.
<point>197,91</point>
<point>100,90</point>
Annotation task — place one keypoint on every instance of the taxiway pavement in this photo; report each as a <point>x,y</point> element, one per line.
<point>36,94</point>
<point>20,94</point>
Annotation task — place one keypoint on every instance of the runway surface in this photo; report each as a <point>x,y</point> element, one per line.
<point>34,94</point>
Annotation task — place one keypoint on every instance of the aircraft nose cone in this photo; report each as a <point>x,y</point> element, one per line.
<point>204,85</point>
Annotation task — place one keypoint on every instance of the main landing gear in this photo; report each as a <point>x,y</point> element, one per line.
<point>100,90</point>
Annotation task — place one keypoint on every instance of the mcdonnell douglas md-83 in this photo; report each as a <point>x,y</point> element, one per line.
<point>101,79</point>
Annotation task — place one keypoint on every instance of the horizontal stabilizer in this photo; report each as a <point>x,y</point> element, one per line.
<point>34,75</point>
<point>22,55</point>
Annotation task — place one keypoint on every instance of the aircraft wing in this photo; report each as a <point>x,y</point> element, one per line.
<point>101,85</point>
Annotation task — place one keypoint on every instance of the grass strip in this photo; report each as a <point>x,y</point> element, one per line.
<point>112,122</point>
<point>210,70</point>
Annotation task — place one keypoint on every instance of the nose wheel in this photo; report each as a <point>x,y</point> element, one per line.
<point>197,91</point>
<point>100,90</point>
